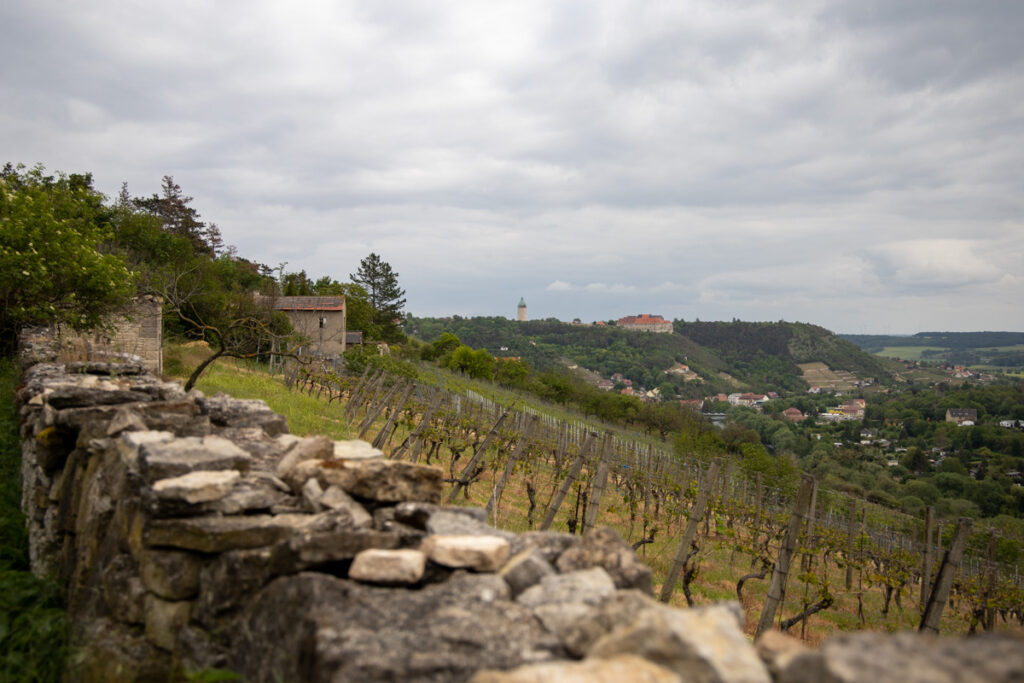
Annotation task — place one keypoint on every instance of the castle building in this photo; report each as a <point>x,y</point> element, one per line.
<point>521,310</point>
<point>646,323</point>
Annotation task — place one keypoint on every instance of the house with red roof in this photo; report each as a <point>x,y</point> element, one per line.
<point>646,322</point>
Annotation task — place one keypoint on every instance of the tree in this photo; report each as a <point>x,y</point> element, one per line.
<point>172,208</point>
<point>386,297</point>
<point>54,260</point>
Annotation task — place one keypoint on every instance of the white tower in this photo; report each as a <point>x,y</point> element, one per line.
<point>521,310</point>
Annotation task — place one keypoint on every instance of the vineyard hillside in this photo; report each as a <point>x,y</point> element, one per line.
<point>755,356</point>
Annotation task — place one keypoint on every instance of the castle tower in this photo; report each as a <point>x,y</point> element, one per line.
<point>521,310</point>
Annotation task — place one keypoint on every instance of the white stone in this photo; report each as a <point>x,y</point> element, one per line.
<point>312,492</point>
<point>482,553</point>
<point>589,586</point>
<point>356,450</point>
<point>388,566</point>
<point>621,669</point>
<point>197,487</point>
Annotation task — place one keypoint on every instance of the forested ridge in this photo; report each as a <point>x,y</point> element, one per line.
<point>759,356</point>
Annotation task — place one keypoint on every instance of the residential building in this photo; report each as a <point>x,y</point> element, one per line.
<point>962,415</point>
<point>320,319</point>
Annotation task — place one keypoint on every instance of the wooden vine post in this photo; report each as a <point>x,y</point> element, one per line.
<point>781,571</point>
<point>385,432</point>
<point>851,532</point>
<point>929,559</point>
<point>696,515</point>
<point>529,431</point>
<point>570,478</point>
<point>470,470</point>
<point>376,409</point>
<point>944,579</point>
<point>422,425</point>
<point>600,481</point>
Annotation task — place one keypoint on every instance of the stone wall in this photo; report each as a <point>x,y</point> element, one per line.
<point>195,532</point>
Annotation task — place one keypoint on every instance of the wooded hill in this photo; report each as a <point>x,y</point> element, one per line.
<point>726,356</point>
<point>1000,349</point>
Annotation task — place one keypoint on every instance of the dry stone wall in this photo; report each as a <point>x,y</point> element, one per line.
<point>195,532</point>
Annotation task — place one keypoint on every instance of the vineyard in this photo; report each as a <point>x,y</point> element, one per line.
<point>792,551</point>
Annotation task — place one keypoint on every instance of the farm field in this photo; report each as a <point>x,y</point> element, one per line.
<point>819,374</point>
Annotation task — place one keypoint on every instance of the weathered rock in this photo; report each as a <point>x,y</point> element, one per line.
<point>301,449</point>
<point>621,669</point>
<point>226,582</point>
<point>164,619</point>
<point>170,574</point>
<point>218,534</point>
<point>225,411</point>
<point>126,420</point>
<point>163,460</point>
<point>480,553</point>
<point>908,658</point>
<point>111,652</point>
<point>320,547</point>
<point>604,548</point>
<point>101,392</point>
<point>524,570</point>
<point>388,566</point>
<point>254,492</point>
<point>356,449</point>
<point>197,487</point>
<point>705,644</point>
<point>777,650</point>
<point>589,586</point>
<point>123,590</point>
<point>311,494</point>
<point>354,632</point>
<point>417,514</point>
<point>579,626</point>
<point>550,544</point>
<point>386,481</point>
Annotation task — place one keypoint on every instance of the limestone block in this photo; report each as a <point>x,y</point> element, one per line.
<point>356,449</point>
<point>386,481</point>
<point>170,574</point>
<point>579,626</point>
<point>335,498</point>
<point>126,420</point>
<point>703,644</point>
<point>605,548</point>
<point>777,650</point>
<point>164,619</point>
<point>388,566</point>
<point>909,658</point>
<point>589,586</point>
<point>551,544</point>
<point>312,547</point>
<point>524,570</point>
<point>300,449</point>
<point>162,460</point>
<point>620,669</point>
<point>252,492</point>
<point>218,534</point>
<point>197,487</point>
<point>226,411</point>
<point>480,553</point>
<point>130,442</point>
<point>312,492</point>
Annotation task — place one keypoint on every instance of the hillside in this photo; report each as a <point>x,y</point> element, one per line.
<point>723,357</point>
<point>996,349</point>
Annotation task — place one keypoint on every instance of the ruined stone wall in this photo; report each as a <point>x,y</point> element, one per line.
<point>195,532</point>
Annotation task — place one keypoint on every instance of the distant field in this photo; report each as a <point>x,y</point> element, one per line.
<point>908,352</point>
<point>819,374</point>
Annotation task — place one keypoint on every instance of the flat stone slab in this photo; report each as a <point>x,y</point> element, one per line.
<point>388,566</point>
<point>197,487</point>
<point>356,449</point>
<point>219,534</point>
<point>621,669</point>
<point>163,460</point>
<point>385,481</point>
<point>480,553</point>
<point>589,586</point>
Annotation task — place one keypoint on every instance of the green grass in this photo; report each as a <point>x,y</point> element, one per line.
<point>33,622</point>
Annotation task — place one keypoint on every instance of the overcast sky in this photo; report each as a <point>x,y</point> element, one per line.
<point>855,164</point>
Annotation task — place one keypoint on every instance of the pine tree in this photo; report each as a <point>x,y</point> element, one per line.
<point>386,297</point>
